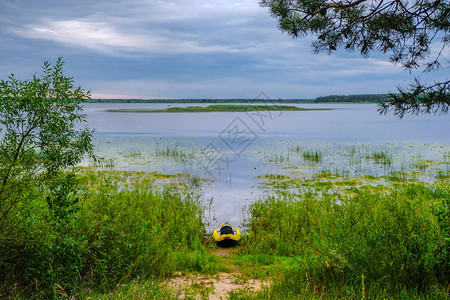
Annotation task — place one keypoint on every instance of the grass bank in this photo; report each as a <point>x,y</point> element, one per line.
<point>217,108</point>
<point>391,244</point>
<point>93,232</point>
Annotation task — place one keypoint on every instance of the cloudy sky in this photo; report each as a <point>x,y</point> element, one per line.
<point>180,49</point>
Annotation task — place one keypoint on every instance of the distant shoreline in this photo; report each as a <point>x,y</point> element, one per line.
<point>201,101</point>
<point>332,99</point>
<point>215,108</point>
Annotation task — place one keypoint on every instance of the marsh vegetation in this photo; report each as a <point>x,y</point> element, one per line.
<point>334,227</point>
<point>332,222</point>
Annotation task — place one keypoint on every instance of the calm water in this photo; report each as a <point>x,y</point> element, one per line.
<point>346,123</point>
<point>232,149</point>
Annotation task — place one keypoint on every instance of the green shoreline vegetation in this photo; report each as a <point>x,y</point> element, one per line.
<point>110,234</point>
<point>119,235</point>
<point>391,243</point>
<point>216,108</point>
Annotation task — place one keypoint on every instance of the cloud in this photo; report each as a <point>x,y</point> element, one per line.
<point>139,27</point>
<point>111,96</point>
<point>171,11</point>
<point>108,39</point>
<point>180,49</point>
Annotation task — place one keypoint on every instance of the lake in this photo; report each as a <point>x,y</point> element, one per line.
<point>233,150</point>
<point>346,123</point>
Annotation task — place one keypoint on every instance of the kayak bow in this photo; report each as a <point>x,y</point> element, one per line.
<point>226,234</point>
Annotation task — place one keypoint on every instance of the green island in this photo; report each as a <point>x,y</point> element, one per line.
<point>216,108</point>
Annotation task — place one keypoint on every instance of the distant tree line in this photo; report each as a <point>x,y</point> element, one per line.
<point>375,98</point>
<point>201,100</point>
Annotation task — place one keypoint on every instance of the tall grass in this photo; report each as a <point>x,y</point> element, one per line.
<point>279,158</point>
<point>177,154</point>
<point>97,236</point>
<point>399,242</point>
<point>312,156</point>
<point>103,164</point>
<point>381,157</point>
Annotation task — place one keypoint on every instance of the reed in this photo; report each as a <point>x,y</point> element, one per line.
<point>312,156</point>
<point>399,241</point>
<point>381,157</point>
<point>174,153</point>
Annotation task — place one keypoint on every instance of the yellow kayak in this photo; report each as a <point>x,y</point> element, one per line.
<point>226,234</point>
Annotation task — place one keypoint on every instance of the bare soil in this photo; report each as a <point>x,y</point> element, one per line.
<point>214,287</point>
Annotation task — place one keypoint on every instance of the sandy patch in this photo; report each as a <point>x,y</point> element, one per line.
<point>224,251</point>
<point>214,287</point>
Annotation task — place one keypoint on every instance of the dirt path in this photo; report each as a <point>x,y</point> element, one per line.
<point>214,287</point>
<point>224,251</point>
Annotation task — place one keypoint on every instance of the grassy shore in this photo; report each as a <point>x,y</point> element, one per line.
<point>106,234</point>
<point>96,232</point>
<point>216,108</point>
<point>374,245</point>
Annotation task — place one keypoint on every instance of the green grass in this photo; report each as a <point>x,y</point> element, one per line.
<point>399,241</point>
<point>95,234</point>
<point>217,108</point>
<point>133,289</point>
